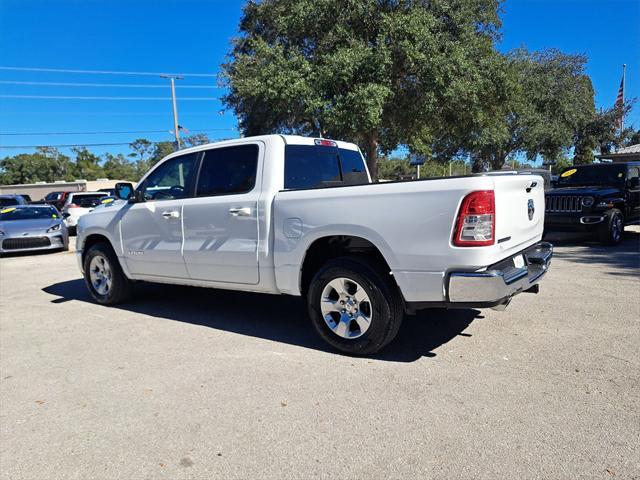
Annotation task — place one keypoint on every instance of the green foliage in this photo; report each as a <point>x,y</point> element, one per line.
<point>87,165</point>
<point>540,101</point>
<point>49,165</point>
<point>561,163</point>
<point>195,140</point>
<point>378,72</point>
<point>397,169</point>
<point>44,164</point>
<point>117,167</point>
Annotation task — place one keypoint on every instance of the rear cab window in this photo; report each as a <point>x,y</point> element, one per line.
<point>320,166</point>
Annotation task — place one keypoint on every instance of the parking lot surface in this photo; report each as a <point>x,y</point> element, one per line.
<point>194,383</point>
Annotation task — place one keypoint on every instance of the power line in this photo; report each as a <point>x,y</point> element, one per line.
<point>115,85</point>
<point>110,132</point>
<point>102,114</point>
<point>70,97</point>
<point>105,72</point>
<point>67,145</point>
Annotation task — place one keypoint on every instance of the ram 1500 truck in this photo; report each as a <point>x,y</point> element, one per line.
<point>300,216</point>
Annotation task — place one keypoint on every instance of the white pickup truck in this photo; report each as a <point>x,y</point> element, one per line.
<point>300,216</point>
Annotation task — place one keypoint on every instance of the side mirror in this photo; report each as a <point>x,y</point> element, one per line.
<point>124,190</point>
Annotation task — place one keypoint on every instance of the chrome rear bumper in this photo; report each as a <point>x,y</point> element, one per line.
<point>496,285</point>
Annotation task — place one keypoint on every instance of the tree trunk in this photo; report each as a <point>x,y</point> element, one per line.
<point>477,165</point>
<point>372,154</point>
<point>497,161</point>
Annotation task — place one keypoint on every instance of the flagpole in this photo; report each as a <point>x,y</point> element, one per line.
<point>624,71</point>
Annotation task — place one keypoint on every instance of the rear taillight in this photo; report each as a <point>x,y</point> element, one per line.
<point>476,224</point>
<point>73,205</point>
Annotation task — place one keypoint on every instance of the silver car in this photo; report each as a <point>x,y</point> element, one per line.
<point>32,228</point>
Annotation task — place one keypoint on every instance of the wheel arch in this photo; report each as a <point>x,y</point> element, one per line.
<point>327,247</point>
<point>93,239</point>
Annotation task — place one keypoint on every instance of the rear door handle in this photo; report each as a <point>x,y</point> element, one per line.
<point>171,214</point>
<point>240,211</point>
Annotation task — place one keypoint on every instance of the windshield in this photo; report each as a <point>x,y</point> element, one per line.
<point>29,213</point>
<point>87,200</point>
<point>592,175</point>
<point>5,202</point>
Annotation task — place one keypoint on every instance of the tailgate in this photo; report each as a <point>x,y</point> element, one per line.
<point>519,209</point>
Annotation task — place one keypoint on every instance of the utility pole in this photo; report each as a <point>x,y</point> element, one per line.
<point>624,71</point>
<point>176,129</point>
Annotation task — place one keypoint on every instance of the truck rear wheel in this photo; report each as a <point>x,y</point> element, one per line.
<point>612,228</point>
<point>104,277</point>
<point>354,306</point>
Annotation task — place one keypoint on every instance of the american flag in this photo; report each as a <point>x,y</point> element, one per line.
<point>619,105</point>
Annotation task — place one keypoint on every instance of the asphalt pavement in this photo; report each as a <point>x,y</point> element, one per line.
<point>194,383</point>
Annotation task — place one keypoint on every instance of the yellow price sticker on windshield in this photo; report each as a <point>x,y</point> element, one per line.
<point>7,210</point>
<point>108,200</point>
<point>54,216</point>
<point>568,173</point>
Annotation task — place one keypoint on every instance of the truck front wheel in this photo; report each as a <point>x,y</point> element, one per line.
<point>355,306</point>
<point>104,277</point>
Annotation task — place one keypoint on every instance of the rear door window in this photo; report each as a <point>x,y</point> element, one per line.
<point>228,171</point>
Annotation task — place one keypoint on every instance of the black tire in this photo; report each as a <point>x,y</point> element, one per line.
<point>72,231</point>
<point>385,305</point>
<point>612,229</point>
<point>120,287</point>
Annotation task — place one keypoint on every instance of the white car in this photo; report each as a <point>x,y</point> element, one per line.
<point>78,204</point>
<point>300,216</point>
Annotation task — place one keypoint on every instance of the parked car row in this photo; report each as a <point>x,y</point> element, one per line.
<point>32,228</point>
<point>46,225</point>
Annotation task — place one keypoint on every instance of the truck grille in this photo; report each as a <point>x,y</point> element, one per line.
<point>563,203</point>
<point>27,242</point>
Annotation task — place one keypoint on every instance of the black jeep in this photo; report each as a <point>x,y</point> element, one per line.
<point>598,199</point>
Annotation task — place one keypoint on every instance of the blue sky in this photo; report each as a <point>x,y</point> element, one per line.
<point>191,36</point>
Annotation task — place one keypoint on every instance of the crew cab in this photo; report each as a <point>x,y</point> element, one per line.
<point>293,215</point>
<point>598,199</point>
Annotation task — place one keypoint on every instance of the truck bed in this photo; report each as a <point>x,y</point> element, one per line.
<point>411,224</point>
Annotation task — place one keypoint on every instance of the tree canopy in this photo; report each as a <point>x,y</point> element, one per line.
<point>421,74</point>
<point>379,72</point>
<point>49,164</point>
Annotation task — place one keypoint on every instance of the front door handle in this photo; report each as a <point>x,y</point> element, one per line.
<point>171,214</point>
<point>240,211</point>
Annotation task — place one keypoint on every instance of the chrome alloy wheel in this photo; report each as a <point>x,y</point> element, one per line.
<point>346,308</point>
<point>100,275</point>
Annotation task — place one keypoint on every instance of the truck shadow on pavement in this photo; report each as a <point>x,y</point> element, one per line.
<point>620,260</point>
<point>273,317</point>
